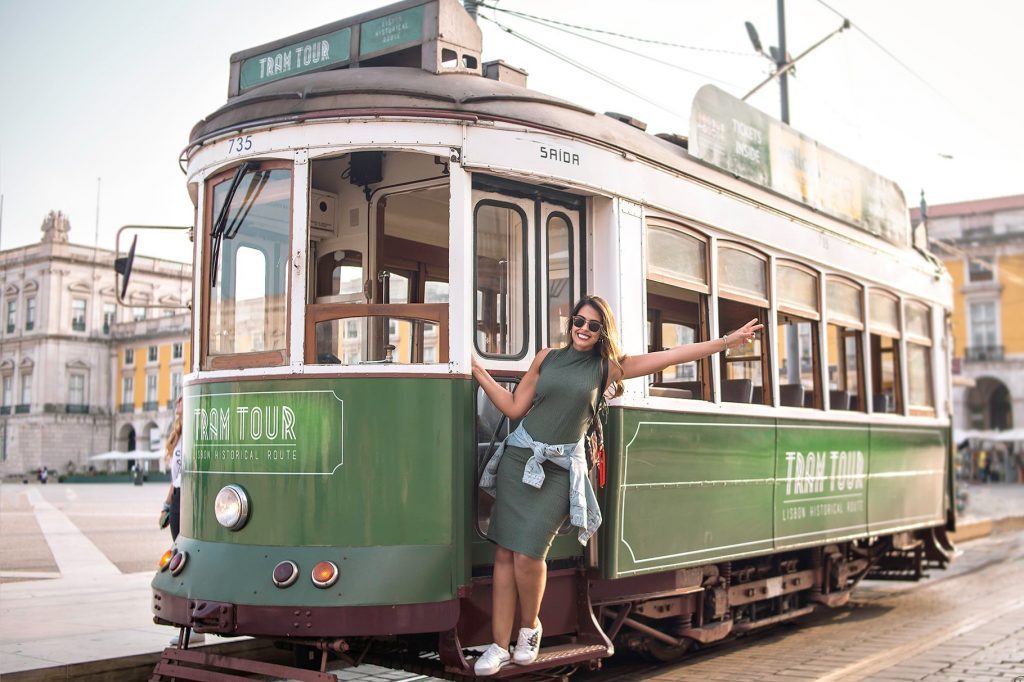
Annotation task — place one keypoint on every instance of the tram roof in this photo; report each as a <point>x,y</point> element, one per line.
<point>413,91</point>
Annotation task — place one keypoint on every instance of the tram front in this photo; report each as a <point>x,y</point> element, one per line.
<point>320,417</point>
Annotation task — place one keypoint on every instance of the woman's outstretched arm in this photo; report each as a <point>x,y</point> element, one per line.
<point>512,405</point>
<point>649,363</point>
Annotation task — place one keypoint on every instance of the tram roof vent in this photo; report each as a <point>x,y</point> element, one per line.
<point>502,72</point>
<point>627,119</point>
<point>437,36</point>
<point>678,140</point>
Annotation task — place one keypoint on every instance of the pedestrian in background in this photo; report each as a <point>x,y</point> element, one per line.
<point>172,458</point>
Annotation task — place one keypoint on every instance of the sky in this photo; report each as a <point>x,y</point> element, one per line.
<point>99,98</point>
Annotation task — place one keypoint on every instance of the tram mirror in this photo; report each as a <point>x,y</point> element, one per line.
<point>123,264</point>
<point>123,267</point>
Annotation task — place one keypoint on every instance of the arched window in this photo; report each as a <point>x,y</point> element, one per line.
<point>677,305</point>
<point>845,310</point>
<point>799,326</point>
<point>742,296</point>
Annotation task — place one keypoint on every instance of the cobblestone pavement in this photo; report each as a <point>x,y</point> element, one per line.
<point>966,623</point>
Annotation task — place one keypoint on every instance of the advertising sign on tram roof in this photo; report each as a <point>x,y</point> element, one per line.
<point>736,137</point>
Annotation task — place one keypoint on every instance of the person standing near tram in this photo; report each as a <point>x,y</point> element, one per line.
<point>534,497</point>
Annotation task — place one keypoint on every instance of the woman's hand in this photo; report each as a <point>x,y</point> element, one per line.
<point>744,334</point>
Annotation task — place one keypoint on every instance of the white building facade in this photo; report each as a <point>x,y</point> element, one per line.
<point>59,311</point>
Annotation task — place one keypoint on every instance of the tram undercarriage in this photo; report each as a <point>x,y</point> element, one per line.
<point>660,617</point>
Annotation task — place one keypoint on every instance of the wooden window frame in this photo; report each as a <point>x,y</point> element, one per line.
<point>326,312</point>
<point>271,358</point>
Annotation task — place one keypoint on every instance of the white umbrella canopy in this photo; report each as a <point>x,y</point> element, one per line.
<point>118,456</point>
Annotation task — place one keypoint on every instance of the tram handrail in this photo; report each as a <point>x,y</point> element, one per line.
<point>425,312</point>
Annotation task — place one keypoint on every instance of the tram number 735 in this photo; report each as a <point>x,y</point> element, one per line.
<point>239,144</point>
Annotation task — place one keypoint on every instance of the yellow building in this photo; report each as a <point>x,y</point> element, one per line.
<point>982,244</point>
<point>150,356</point>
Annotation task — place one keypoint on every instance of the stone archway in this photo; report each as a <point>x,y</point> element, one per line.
<point>150,437</point>
<point>126,438</point>
<point>990,405</point>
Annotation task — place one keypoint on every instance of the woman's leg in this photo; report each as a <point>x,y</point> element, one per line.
<point>531,579</point>
<point>503,596</point>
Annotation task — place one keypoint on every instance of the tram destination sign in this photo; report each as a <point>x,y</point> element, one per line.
<point>736,137</point>
<point>399,27</point>
<point>331,49</point>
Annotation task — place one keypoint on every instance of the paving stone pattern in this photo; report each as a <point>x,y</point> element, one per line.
<point>965,624</point>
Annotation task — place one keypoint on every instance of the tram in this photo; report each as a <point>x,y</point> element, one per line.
<point>375,206</point>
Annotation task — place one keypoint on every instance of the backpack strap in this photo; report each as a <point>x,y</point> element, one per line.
<point>602,387</point>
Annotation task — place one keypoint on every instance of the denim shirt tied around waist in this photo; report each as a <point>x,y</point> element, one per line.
<point>584,512</point>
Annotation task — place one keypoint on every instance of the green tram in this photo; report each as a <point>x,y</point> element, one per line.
<point>374,206</point>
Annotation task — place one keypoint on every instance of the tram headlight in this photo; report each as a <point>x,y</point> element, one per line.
<point>231,507</point>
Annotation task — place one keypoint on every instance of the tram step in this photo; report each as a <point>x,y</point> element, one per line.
<point>186,664</point>
<point>559,655</point>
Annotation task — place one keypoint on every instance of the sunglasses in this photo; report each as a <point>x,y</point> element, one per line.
<point>593,325</point>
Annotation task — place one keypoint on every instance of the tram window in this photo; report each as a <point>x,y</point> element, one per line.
<point>675,257</point>
<point>405,341</point>
<point>885,363</point>
<point>743,296</point>
<point>845,345</point>
<point>743,367</point>
<point>676,316</point>
<point>798,330</point>
<point>798,377</point>
<point>560,257</point>
<point>844,368</point>
<point>249,246</point>
<point>883,311</point>
<point>500,279</point>
<point>920,397</point>
<point>677,295</point>
<point>340,273</point>
<point>919,376</point>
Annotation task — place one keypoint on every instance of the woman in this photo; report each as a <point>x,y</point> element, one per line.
<point>534,496</point>
<point>172,458</point>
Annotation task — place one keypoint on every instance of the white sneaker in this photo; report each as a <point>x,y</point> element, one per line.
<point>493,659</point>
<point>528,645</point>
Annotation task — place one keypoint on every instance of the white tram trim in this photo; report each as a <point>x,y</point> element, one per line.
<point>864,528</point>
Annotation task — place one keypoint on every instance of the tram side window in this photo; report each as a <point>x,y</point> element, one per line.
<point>743,295</point>
<point>560,285</point>
<point>798,329</point>
<point>500,279</point>
<point>248,245</point>
<point>885,353</point>
<point>845,345</point>
<point>920,397</point>
<point>677,294</point>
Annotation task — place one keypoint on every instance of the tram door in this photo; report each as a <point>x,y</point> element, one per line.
<point>527,275</point>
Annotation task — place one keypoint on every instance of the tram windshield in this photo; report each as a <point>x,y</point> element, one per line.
<point>247,275</point>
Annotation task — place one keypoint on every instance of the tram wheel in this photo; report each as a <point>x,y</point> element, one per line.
<point>667,653</point>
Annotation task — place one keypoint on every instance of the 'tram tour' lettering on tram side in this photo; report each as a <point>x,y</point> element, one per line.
<point>258,423</point>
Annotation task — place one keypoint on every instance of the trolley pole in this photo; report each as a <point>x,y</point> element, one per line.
<point>780,62</point>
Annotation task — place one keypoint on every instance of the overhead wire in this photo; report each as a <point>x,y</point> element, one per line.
<point>887,52</point>
<point>572,62</point>
<point>559,26</point>
<point>616,34</point>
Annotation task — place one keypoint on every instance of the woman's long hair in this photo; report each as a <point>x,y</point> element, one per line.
<point>608,345</point>
<point>174,436</point>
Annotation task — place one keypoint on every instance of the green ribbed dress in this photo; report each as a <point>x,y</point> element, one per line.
<point>526,519</point>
